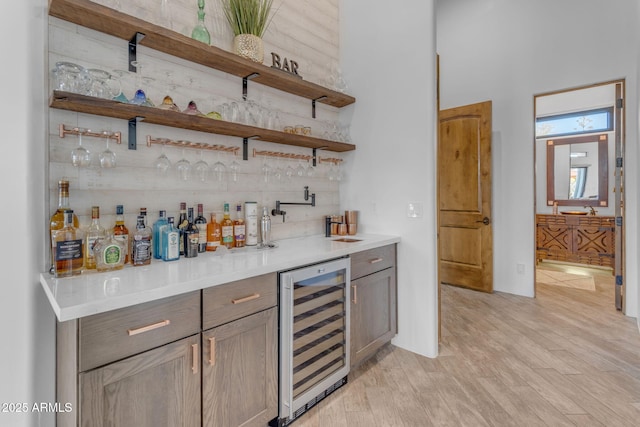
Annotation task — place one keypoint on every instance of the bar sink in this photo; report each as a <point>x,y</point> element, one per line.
<point>347,240</point>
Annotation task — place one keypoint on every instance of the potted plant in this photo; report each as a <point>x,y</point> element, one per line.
<point>249,20</point>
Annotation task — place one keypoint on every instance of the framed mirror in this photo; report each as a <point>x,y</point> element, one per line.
<point>577,171</point>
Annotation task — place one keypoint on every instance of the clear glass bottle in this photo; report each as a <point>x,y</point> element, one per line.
<point>121,232</point>
<point>158,226</point>
<point>56,221</point>
<point>190,236</point>
<point>95,232</point>
<point>143,212</point>
<point>200,31</point>
<point>67,246</point>
<point>110,253</point>
<point>170,242</point>
<point>239,228</point>
<point>214,234</point>
<point>201,223</point>
<point>227,228</point>
<point>141,244</point>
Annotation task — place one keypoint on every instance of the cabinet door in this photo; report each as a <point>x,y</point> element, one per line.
<point>240,372</point>
<point>373,313</point>
<point>160,387</point>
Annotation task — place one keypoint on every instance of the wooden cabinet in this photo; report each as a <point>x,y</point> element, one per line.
<point>582,239</point>
<point>373,301</point>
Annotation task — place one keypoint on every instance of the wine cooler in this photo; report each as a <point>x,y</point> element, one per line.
<point>314,335</point>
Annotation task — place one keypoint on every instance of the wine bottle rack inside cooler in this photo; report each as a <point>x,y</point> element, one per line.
<point>314,341</point>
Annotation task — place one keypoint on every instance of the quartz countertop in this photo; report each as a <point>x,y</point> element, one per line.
<point>93,292</point>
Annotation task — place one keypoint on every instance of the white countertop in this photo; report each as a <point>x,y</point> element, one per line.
<point>93,292</point>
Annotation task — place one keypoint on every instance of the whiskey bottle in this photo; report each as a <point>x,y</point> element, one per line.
<point>141,244</point>
<point>94,232</point>
<point>201,223</point>
<point>182,224</point>
<point>190,236</point>
<point>156,239</point>
<point>239,228</point>
<point>170,242</point>
<point>109,253</point>
<point>143,212</point>
<point>227,228</point>
<point>67,248</point>
<point>214,234</point>
<point>57,219</point>
<point>121,232</point>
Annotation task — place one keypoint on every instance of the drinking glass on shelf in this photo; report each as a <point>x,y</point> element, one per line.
<point>170,87</point>
<point>140,97</point>
<point>98,85</point>
<point>107,157</point>
<point>183,166</point>
<point>69,77</point>
<point>162,164</point>
<point>115,83</point>
<point>201,168</point>
<point>80,156</point>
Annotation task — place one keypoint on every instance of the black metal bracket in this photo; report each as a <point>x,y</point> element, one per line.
<point>133,48</point>
<point>133,134</point>
<point>245,146</point>
<point>245,83</point>
<point>313,106</point>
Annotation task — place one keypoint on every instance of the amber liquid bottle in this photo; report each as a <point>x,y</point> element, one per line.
<point>68,248</point>
<point>214,234</point>
<point>121,233</point>
<point>239,228</point>
<point>227,228</point>
<point>57,219</point>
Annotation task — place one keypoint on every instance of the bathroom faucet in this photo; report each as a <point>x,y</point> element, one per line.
<point>592,211</point>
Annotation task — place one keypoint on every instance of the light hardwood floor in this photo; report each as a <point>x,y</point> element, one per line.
<point>565,358</point>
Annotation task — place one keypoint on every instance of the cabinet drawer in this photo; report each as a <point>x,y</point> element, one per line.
<point>106,337</point>
<point>224,303</point>
<point>367,262</point>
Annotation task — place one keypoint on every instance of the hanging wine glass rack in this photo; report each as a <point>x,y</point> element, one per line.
<point>193,145</point>
<point>63,131</point>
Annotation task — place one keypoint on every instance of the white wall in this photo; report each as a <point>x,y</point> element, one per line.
<point>388,56</point>
<point>496,50</point>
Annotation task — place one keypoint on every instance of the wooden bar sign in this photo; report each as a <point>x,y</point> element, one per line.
<point>286,65</point>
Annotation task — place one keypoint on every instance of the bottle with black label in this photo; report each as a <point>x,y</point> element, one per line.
<point>67,246</point>
<point>201,223</point>
<point>141,244</point>
<point>121,233</point>
<point>190,235</point>
<point>182,224</point>
<point>239,228</point>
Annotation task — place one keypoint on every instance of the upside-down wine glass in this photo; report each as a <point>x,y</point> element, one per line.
<point>80,156</point>
<point>219,169</point>
<point>162,163</point>
<point>201,168</point>
<point>234,167</point>
<point>183,166</point>
<point>107,157</point>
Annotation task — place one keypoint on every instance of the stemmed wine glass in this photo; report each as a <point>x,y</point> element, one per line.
<point>107,157</point>
<point>140,97</point>
<point>219,169</point>
<point>234,167</point>
<point>266,169</point>
<point>301,171</point>
<point>162,163</point>
<point>183,166</point>
<point>201,168</point>
<point>80,156</point>
<point>290,171</point>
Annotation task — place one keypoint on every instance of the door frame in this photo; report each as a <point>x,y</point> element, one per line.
<point>619,140</point>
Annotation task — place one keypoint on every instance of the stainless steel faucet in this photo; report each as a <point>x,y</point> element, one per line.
<point>592,211</point>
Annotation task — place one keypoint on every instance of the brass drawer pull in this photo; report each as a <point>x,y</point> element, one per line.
<point>194,358</point>
<point>212,351</point>
<point>245,299</point>
<point>355,293</point>
<point>375,260</point>
<point>148,328</point>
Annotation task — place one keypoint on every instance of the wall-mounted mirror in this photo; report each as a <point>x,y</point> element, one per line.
<point>577,171</point>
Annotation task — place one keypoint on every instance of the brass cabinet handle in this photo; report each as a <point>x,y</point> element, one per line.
<point>212,351</point>
<point>148,328</point>
<point>355,293</point>
<point>194,358</point>
<point>245,299</point>
<point>375,260</point>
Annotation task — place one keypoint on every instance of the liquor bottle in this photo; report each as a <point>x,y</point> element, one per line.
<point>170,241</point>
<point>57,219</point>
<point>121,232</point>
<point>94,233</point>
<point>214,234</point>
<point>200,32</point>
<point>143,212</point>
<point>67,248</point>
<point>190,236</point>
<point>251,223</point>
<point>201,222</point>
<point>110,253</point>
<point>156,239</point>
<point>182,224</point>
<point>141,244</point>
<point>239,228</point>
<point>227,228</point>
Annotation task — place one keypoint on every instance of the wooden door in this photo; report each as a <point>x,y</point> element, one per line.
<point>158,388</point>
<point>373,313</point>
<point>465,242</point>
<point>240,372</point>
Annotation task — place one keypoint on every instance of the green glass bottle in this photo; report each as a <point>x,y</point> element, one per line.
<point>200,32</point>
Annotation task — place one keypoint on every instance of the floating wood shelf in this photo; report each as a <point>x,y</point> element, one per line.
<point>104,107</point>
<point>118,24</point>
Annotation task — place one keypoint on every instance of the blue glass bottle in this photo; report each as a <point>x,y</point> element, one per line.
<point>170,242</point>
<point>158,226</point>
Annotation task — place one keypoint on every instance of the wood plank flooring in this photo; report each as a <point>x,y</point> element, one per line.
<point>565,358</point>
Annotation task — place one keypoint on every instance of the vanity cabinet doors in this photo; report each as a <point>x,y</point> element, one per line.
<point>158,388</point>
<point>240,371</point>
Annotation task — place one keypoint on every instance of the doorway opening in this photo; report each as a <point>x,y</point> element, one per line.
<point>579,209</point>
